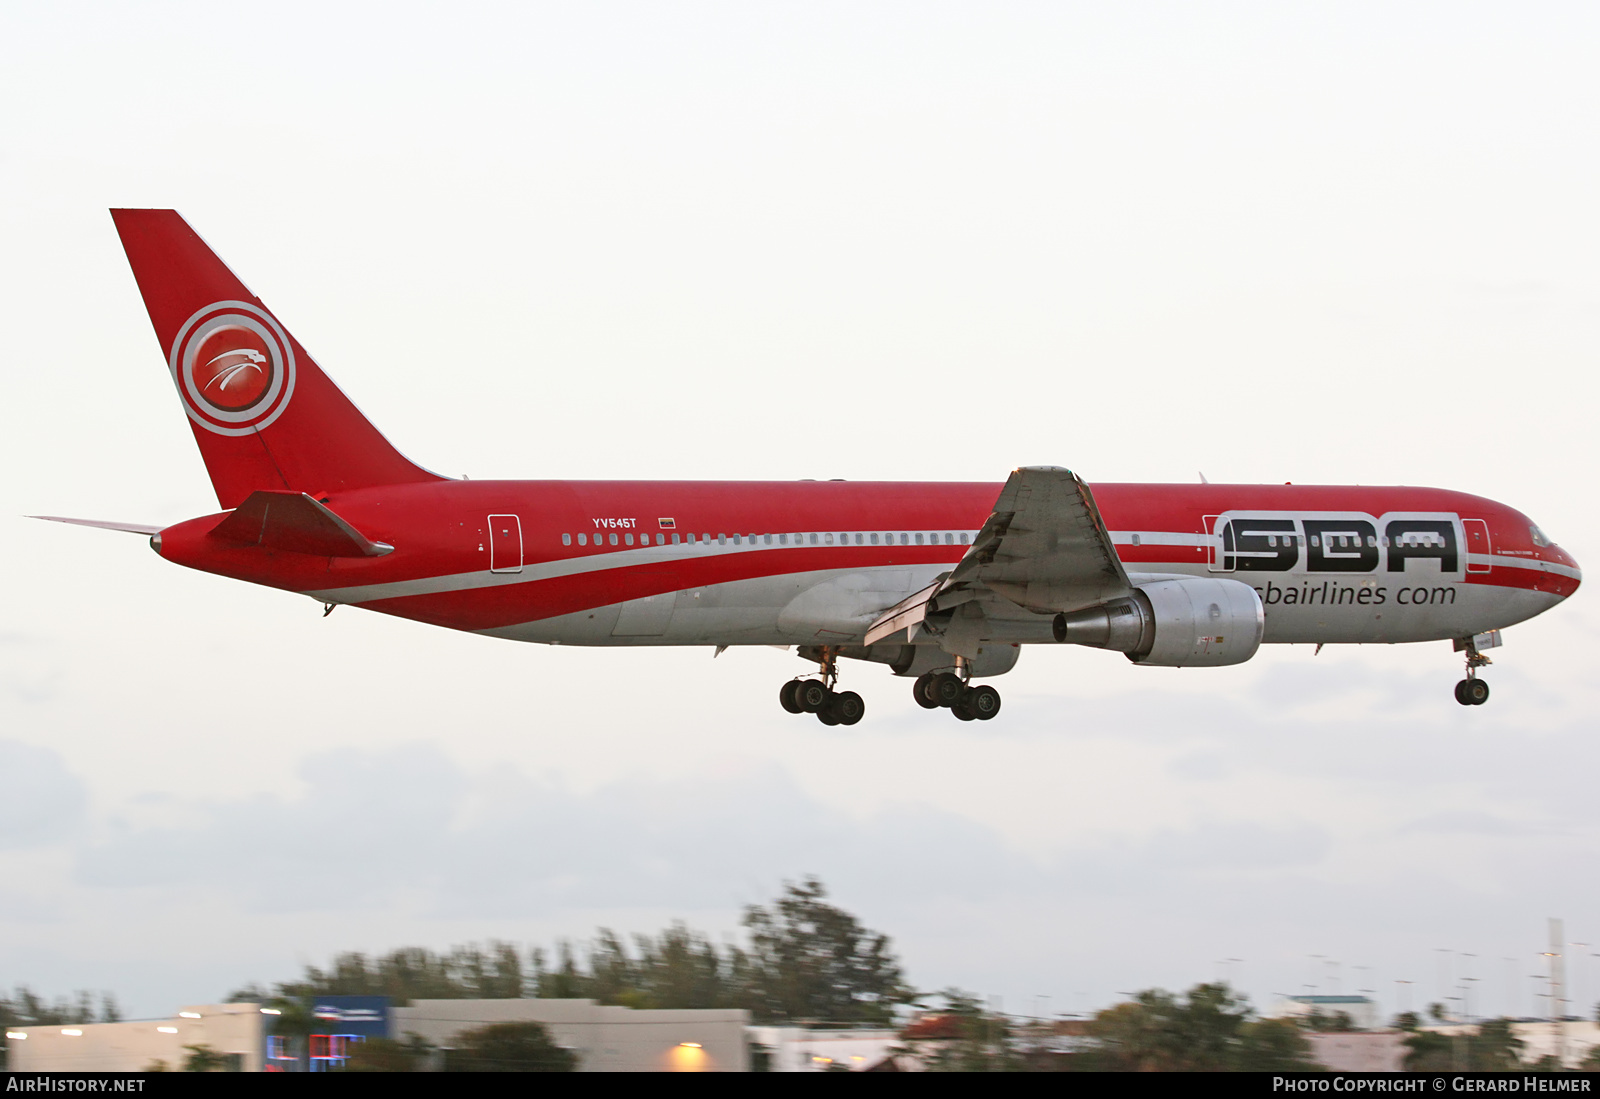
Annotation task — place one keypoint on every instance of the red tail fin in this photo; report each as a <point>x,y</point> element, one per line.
<point>265,416</point>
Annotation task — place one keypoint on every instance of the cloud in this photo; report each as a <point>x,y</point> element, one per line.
<point>406,823</point>
<point>41,802</point>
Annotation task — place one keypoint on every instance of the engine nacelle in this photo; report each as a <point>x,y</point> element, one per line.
<point>1194,622</point>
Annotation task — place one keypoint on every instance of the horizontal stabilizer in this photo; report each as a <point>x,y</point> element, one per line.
<point>295,523</point>
<point>103,524</point>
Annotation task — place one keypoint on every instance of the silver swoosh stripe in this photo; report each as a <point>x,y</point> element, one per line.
<point>550,570</point>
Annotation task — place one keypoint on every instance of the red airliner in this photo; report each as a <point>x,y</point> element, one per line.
<point>941,582</point>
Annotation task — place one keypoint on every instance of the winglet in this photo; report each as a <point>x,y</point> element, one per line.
<point>295,523</point>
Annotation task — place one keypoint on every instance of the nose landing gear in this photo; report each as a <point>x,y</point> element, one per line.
<point>1472,691</point>
<point>817,696</point>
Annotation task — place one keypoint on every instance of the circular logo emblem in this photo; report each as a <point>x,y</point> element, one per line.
<point>234,367</point>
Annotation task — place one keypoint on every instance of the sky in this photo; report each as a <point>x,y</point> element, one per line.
<point>1264,242</point>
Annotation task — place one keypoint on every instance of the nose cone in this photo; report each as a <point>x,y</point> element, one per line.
<point>1564,568</point>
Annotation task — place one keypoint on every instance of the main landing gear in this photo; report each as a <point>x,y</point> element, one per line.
<point>951,690</point>
<point>817,696</point>
<point>1472,691</point>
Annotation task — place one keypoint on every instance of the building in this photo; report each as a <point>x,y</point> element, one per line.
<point>797,1049</point>
<point>606,1039</point>
<point>236,1031</point>
<point>1363,1012</point>
<point>1359,1051</point>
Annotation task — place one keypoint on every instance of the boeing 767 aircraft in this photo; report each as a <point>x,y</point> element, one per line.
<point>941,582</point>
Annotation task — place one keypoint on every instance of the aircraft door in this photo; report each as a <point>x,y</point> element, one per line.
<point>505,543</point>
<point>1477,532</point>
<point>1219,558</point>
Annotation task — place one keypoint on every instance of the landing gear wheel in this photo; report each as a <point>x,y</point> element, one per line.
<point>983,702</point>
<point>1461,692</point>
<point>947,688</point>
<point>827,716</point>
<point>847,707</point>
<point>788,697</point>
<point>1477,692</point>
<point>963,711</point>
<point>922,691</point>
<point>812,695</point>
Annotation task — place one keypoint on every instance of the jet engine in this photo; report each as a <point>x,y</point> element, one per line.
<point>1193,622</point>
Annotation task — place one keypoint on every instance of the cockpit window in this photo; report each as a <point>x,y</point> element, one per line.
<point>1539,538</point>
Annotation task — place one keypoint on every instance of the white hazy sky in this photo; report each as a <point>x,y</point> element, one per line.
<point>1279,241</point>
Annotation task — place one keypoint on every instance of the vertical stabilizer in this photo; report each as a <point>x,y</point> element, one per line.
<point>264,414</point>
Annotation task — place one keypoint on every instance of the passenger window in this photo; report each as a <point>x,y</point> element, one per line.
<point>628,538</point>
<point>963,538</point>
<point>675,540</point>
<point>873,538</point>
<point>905,539</point>
<point>722,539</point>
<point>566,539</point>
<point>705,538</point>
<point>813,539</point>
<point>783,539</point>
<point>919,538</point>
<point>583,540</point>
<point>613,539</point>
<point>949,539</point>
<point>767,538</point>
<point>828,538</point>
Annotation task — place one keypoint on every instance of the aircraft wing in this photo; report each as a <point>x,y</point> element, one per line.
<point>1044,549</point>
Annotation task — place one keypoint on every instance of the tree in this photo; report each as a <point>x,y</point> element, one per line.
<point>293,1021</point>
<point>1209,1030</point>
<point>385,1055</point>
<point>509,1047</point>
<point>962,1037</point>
<point>565,982</point>
<point>1494,1048</point>
<point>1273,1045</point>
<point>815,963</point>
<point>1429,1051</point>
<point>1407,1021</point>
<point>202,1058</point>
<point>1322,1022</point>
<point>469,972</point>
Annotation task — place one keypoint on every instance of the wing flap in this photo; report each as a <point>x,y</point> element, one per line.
<point>904,615</point>
<point>295,523</point>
